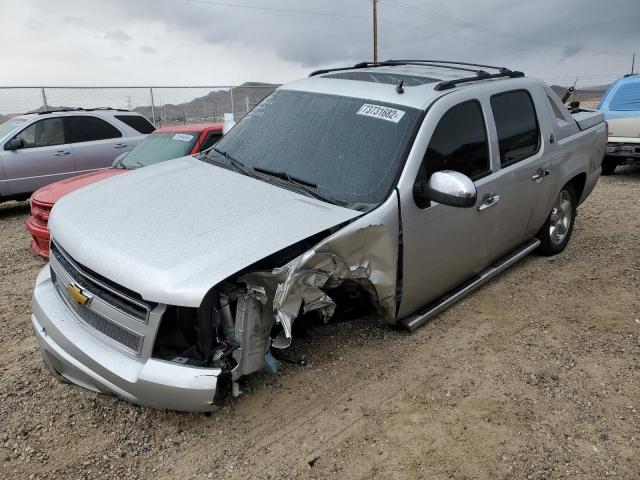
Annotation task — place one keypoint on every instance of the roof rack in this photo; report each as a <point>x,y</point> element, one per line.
<point>79,109</point>
<point>444,85</point>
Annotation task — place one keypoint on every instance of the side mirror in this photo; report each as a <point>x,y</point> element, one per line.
<point>448,188</point>
<point>14,144</point>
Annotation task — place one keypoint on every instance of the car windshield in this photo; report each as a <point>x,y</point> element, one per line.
<point>7,127</point>
<point>346,148</point>
<point>160,146</point>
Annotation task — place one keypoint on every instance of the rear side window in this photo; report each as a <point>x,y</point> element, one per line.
<point>43,133</point>
<point>459,143</point>
<point>211,139</point>
<point>137,122</point>
<point>517,126</point>
<point>88,129</point>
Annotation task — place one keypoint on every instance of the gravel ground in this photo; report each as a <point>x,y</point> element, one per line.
<point>534,376</point>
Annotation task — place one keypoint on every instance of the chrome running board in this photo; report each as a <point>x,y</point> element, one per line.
<point>412,322</point>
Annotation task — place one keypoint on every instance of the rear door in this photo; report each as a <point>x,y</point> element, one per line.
<point>46,157</point>
<point>96,143</point>
<point>524,176</point>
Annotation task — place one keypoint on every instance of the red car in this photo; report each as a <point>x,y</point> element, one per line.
<point>163,144</point>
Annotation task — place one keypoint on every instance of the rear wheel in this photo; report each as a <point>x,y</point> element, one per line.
<point>556,231</point>
<point>609,165</point>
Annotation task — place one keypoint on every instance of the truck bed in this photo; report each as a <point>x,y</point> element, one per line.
<point>588,118</point>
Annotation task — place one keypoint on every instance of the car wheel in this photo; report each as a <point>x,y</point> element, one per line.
<point>609,165</point>
<point>557,229</point>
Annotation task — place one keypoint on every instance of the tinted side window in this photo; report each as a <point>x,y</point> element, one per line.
<point>459,143</point>
<point>88,129</point>
<point>517,126</point>
<point>211,139</point>
<point>43,133</point>
<point>137,122</point>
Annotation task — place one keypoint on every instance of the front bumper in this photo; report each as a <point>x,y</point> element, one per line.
<point>73,354</point>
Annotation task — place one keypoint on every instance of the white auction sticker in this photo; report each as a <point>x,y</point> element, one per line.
<point>383,113</point>
<point>182,136</point>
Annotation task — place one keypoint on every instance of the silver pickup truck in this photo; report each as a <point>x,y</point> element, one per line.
<point>400,186</point>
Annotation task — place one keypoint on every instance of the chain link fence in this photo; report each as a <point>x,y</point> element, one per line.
<point>161,105</point>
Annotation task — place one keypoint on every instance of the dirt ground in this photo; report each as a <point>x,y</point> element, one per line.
<point>534,376</point>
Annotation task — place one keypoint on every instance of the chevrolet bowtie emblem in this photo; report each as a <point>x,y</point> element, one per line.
<point>75,292</point>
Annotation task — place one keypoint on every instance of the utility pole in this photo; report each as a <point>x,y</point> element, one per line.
<point>375,30</point>
<point>633,63</point>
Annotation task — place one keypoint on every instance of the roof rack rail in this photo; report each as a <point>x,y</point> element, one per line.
<point>447,84</point>
<point>80,109</point>
<point>448,62</point>
<point>444,85</point>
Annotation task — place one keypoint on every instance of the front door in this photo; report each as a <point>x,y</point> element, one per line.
<point>445,246</point>
<point>45,158</point>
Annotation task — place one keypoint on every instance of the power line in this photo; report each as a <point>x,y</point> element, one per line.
<point>355,17</point>
<point>277,9</point>
<point>414,10</point>
<point>402,7</point>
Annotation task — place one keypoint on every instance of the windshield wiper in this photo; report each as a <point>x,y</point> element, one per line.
<point>285,176</point>
<point>302,184</point>
<point>237,164</point>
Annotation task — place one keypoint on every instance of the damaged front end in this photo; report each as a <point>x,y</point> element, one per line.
<point>244,317</point>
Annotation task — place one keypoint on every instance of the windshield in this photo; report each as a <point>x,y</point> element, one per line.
<point>348,148</point>
<point>160,146</point>
<point>7,127</point>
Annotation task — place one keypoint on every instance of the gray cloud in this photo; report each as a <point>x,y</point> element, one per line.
<point>148,49</point>
<point>583,37</point>
<point>118,36</point>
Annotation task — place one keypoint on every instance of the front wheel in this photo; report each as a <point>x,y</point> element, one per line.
<point>557,229</point>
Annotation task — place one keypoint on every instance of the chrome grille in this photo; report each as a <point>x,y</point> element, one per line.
<point>134,308</point>
<point>99,323</point>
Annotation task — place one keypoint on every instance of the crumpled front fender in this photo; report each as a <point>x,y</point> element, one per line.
<point>365,251</point>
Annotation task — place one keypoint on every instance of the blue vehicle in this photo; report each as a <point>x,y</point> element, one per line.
<point>621,107</point>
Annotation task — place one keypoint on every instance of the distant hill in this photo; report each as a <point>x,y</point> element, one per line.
<point>212,105</point>
<point>589,95</point>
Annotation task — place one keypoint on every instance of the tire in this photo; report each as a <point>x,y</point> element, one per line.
<point>557,229</point>
<point>609,165</point>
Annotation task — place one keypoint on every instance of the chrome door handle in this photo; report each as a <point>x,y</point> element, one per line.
<point>489,201</point>
<point>60,153</point>
<point>540,174</point>
<point>120,145</point>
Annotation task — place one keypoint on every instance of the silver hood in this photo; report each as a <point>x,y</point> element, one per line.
<point>172,231</point>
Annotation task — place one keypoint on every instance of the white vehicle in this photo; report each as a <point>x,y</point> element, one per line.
<point>621,107</point>
<point>400,185</point>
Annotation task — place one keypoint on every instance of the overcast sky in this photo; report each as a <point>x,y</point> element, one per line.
<point>183,42</point>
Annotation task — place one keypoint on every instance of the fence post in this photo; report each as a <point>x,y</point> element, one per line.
<point>233,112</point>
<point>153,108</point>
<point>44,100</point>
